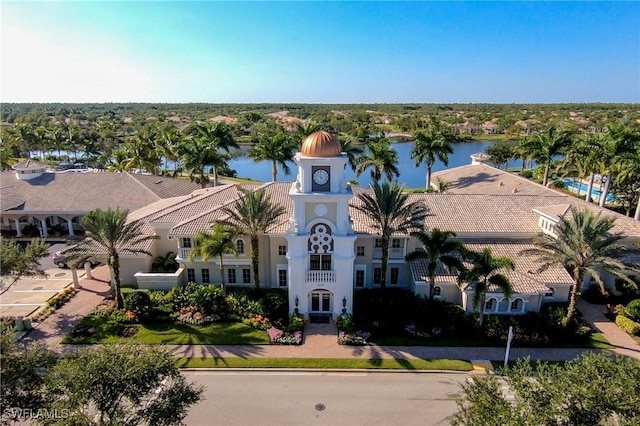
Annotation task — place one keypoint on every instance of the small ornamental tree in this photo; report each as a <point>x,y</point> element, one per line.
<point>121,385</point>
<point>17,262</point>
<point>592,390</point>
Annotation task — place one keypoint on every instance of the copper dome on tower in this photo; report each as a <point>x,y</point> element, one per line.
<point>321,144</point>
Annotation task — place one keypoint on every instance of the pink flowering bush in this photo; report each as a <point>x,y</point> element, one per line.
<point>278,336</point>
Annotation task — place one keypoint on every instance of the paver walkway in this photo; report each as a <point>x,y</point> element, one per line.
<point>61,322</point>
<point>320,339</point>
<point>623,343</point>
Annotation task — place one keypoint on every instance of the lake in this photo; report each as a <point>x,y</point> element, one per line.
<point>410,176</point>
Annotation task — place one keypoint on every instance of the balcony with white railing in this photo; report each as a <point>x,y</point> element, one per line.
<point>183,253</point>
<point>320,277</point>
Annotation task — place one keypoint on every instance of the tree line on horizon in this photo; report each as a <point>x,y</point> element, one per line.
<point>580,141</point>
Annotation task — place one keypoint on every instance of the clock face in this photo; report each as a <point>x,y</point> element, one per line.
<point>320,176</point>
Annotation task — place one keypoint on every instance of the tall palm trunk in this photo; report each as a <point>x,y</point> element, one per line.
<point>428,182</point>
<point>483,303</point>
<point>432,285</point>
<point>222,279</point>
<point>573,299</point>
<point>114,265</point>
<point>546,173</point>
<point>385,262</point>
<point>254,262</point>
<point>605,192</point>
<point>637,215</point>
<point>592,177</point>
<point>274,170</point>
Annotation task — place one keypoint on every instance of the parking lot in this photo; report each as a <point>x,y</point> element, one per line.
<point>30,293</point>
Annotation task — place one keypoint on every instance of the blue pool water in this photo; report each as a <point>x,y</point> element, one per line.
<point>581,189</point>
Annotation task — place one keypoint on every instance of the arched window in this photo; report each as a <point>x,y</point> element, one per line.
<point>550,292</point>
<point>240,246</point>
<point>516,305</point>
<point>437,291</point>
<point>489,305</point>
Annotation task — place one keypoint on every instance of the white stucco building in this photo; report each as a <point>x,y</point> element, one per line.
<point>323,250</point>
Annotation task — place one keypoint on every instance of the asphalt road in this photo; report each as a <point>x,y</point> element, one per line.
<point>324,398</point>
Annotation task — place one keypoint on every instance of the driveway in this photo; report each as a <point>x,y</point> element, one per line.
<point>31,293</point>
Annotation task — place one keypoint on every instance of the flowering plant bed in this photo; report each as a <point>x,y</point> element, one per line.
<point>359,338</point>
<point>191,315</point>
<point>279,337</point>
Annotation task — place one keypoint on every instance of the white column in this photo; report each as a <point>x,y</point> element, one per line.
<point>74,275</point>
<point>18,230</point>
<point>70,226</point>
<point>43,224</point>
<point>87,269</point>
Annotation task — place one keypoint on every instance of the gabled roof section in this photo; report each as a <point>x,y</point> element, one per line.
<point>10,199</point>
<point>83,192</point>
<point>554,212</point>
<point>525,279</point>
<point>194,221</point>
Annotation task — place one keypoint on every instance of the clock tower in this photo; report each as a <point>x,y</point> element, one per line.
<point>320,238</point>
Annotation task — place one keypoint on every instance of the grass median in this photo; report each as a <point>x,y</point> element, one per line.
<point>327,363</point>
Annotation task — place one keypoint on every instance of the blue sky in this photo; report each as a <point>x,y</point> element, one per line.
<point>320,52</point>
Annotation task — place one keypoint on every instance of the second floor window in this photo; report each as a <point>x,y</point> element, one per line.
<point>360,251</point>
<point>240,246</point>
<point>282,250</point>
<point>186,242</point>
<point>396,243</point>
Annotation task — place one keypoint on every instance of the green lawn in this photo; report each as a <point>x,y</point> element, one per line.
<point>597,341</point>
<point>223,333</point>
<point>331,363</point>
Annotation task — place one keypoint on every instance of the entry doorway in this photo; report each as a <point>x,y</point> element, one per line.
<point>320,309</point>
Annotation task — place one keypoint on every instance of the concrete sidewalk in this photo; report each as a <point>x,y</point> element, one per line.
<point>320,340</point>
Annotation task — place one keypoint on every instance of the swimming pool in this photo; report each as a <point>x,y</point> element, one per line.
<point>581,189</point>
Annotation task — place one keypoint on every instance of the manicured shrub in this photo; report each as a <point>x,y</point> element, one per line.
<point>275,305</point>
<point>139,302</point>
<point>627,325</point>
<point>210,299</point>
<point>633,310</point>
<point>296,323</point>
<point>345,322</point>
<point>527,174</point>
<point>180,297</point>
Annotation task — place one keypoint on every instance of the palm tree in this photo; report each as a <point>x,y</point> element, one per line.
<point>118,162</point>
<point>628,174</point>
<point>279,149</point>
<point>252,214</point>
<point>584,246</point>
<point>439,246</point>
<point>170,142</point>
<point>430,145</point>
<point>109,230</point>
<point>353,152</point>
<point>219,137</point>
<point>303,130</point>
<point>544,146</point>
<point>218,242</point>
<point>391,212</point>
<point>141,152</point>
<point>197,155</point>
<point>485,272</point>
<point>382,158</point>
<point>619,140</point>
